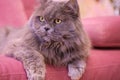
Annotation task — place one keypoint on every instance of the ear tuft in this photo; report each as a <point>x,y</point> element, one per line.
<point>72,8</point>
<point>73,4</point>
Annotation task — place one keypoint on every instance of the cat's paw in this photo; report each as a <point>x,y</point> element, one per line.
<point>36,77</point>
<point>75,73</point>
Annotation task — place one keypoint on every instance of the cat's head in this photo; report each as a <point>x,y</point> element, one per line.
<point>55,20</point>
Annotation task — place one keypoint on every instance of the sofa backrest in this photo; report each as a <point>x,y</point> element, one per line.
<point>29,6</point>
<point>12,13</point>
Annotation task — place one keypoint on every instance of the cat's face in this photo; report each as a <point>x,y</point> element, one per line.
<point>55,20</point>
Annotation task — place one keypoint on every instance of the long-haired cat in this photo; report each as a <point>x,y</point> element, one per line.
<point>55,36</point>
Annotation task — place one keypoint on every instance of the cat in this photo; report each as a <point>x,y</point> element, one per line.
<point>54,35</point>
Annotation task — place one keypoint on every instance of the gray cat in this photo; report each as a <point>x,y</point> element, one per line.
<point>54,35</point>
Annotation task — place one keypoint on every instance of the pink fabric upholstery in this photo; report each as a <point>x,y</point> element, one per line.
<point>12,13</point>
<point>103,31</point>
<point>11,69</point>
<point>29,6</point>
<point>101,65</point>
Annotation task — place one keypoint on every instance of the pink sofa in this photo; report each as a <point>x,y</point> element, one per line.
<point>104,32</point>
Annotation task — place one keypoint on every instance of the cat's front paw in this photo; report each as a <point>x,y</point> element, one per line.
<point>36,77</point>
<point>76,71</point>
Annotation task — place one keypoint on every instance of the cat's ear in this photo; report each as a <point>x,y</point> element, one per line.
<point>72,5</point>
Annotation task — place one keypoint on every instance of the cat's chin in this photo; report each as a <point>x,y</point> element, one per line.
<point>46,38</point>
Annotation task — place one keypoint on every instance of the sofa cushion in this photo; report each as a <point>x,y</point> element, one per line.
<point>103,31</point>
<point>11,69</point>
<point>101,65</point>
<point>12,13</point>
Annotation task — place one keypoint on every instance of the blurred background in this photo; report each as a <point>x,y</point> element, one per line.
<point>89,8</point>
<point>24,8</point>
<point>95,8</point>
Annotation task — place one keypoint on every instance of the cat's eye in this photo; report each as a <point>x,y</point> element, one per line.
<point>58,21</point>
<point>41,19</point>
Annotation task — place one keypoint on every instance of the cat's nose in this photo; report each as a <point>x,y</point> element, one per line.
<point>46,29</point>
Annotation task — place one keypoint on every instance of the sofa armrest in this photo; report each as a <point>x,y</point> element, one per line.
<point>101,65</point>
<point>103,31</point>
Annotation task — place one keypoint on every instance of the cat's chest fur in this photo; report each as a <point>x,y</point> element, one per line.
<point>58,53</point>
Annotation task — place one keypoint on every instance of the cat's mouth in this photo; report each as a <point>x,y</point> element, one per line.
<point>46,37</point>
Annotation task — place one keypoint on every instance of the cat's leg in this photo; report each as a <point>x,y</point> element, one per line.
<point>76,69</point>
<point>35,67</point>
<point>33,62</point>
